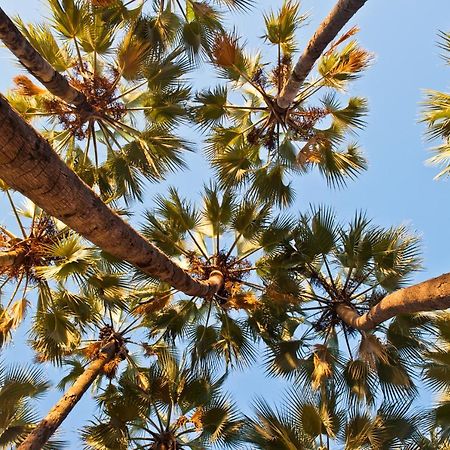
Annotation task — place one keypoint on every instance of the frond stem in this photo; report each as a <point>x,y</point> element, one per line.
<point>16,214</point>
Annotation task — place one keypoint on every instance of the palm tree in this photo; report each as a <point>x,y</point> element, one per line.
<point>342,12</point>
<point>254,144</point>
<point>436,115</point>
<point>224,234</point>
<point>221,235</point>
<point>164,406</point>
<point>61,326</point>
<point>133,89</point>
<point>38,172</point>
<point>329,266</point>
<point>377,269</point>
<point>45,250</point>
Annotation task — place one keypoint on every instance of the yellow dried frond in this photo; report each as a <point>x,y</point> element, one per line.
<point>110,368</point>
<point>142,381</point>
<point>372,351</point>
<point>196,419</point>
<point>340,66</point>
<point>309,153</point>
<point>18,310</point>
<point>6,323</point>
<point>322,366</point>
<point>242,300</point>
<point>356,61</point>
<point>304,158</point>
<point>159,302</point>
<point>342,38</point>
<point>181,422</point>
<point>24,86</point>
<point>91,351</point>
<point>282,298</point>
<point>226,50</point>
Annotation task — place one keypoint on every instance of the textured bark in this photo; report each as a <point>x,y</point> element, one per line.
<point>29,165</point>
<point>342,12</point>
<point>430,295</point>
<point>41,434</point>
<point>11,257</point>
<point>55,83</point>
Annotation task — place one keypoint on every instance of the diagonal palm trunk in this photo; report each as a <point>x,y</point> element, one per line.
<point>41,434</point>
<point>430,295</point>
<point>342,12</point>
<point>29,165</point>
<point>55,83</point>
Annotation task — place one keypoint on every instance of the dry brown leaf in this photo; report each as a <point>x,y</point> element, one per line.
<point>226,50</point>
<point>322,366</point>
<point>24,86</point>
<point>372,351</point>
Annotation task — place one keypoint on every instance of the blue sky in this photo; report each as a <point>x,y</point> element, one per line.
<point>398,187</point>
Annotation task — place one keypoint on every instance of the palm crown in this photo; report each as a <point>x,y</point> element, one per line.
<point>171,407</point>
<point>131,75</point>
<point>256,144</point>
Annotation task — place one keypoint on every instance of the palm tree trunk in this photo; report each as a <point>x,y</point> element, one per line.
<point>29,165</point>
<point>40,435</point>
<point>55,83</point>
<point>430,295</point>
<point>342,12</point>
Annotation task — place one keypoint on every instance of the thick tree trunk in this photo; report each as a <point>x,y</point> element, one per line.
<point>29,165</point>
<point>56,83</point>
<point>430,295</point>
<point>342,12</point>
<point>41,434</point>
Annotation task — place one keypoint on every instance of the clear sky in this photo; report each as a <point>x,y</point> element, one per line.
<point>398,187</point>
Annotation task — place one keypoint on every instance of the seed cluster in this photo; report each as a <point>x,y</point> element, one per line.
<point>101,95</point>
<point>33,251</point>
<point>233,269</point>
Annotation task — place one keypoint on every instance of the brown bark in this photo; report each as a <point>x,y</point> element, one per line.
<point>430,295</point>
<point>55,83</point>
<point>342,12</point>
<point>29,165</point>
<point>41,434</point>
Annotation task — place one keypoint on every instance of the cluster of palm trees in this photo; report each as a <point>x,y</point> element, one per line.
<point>152,323</point>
